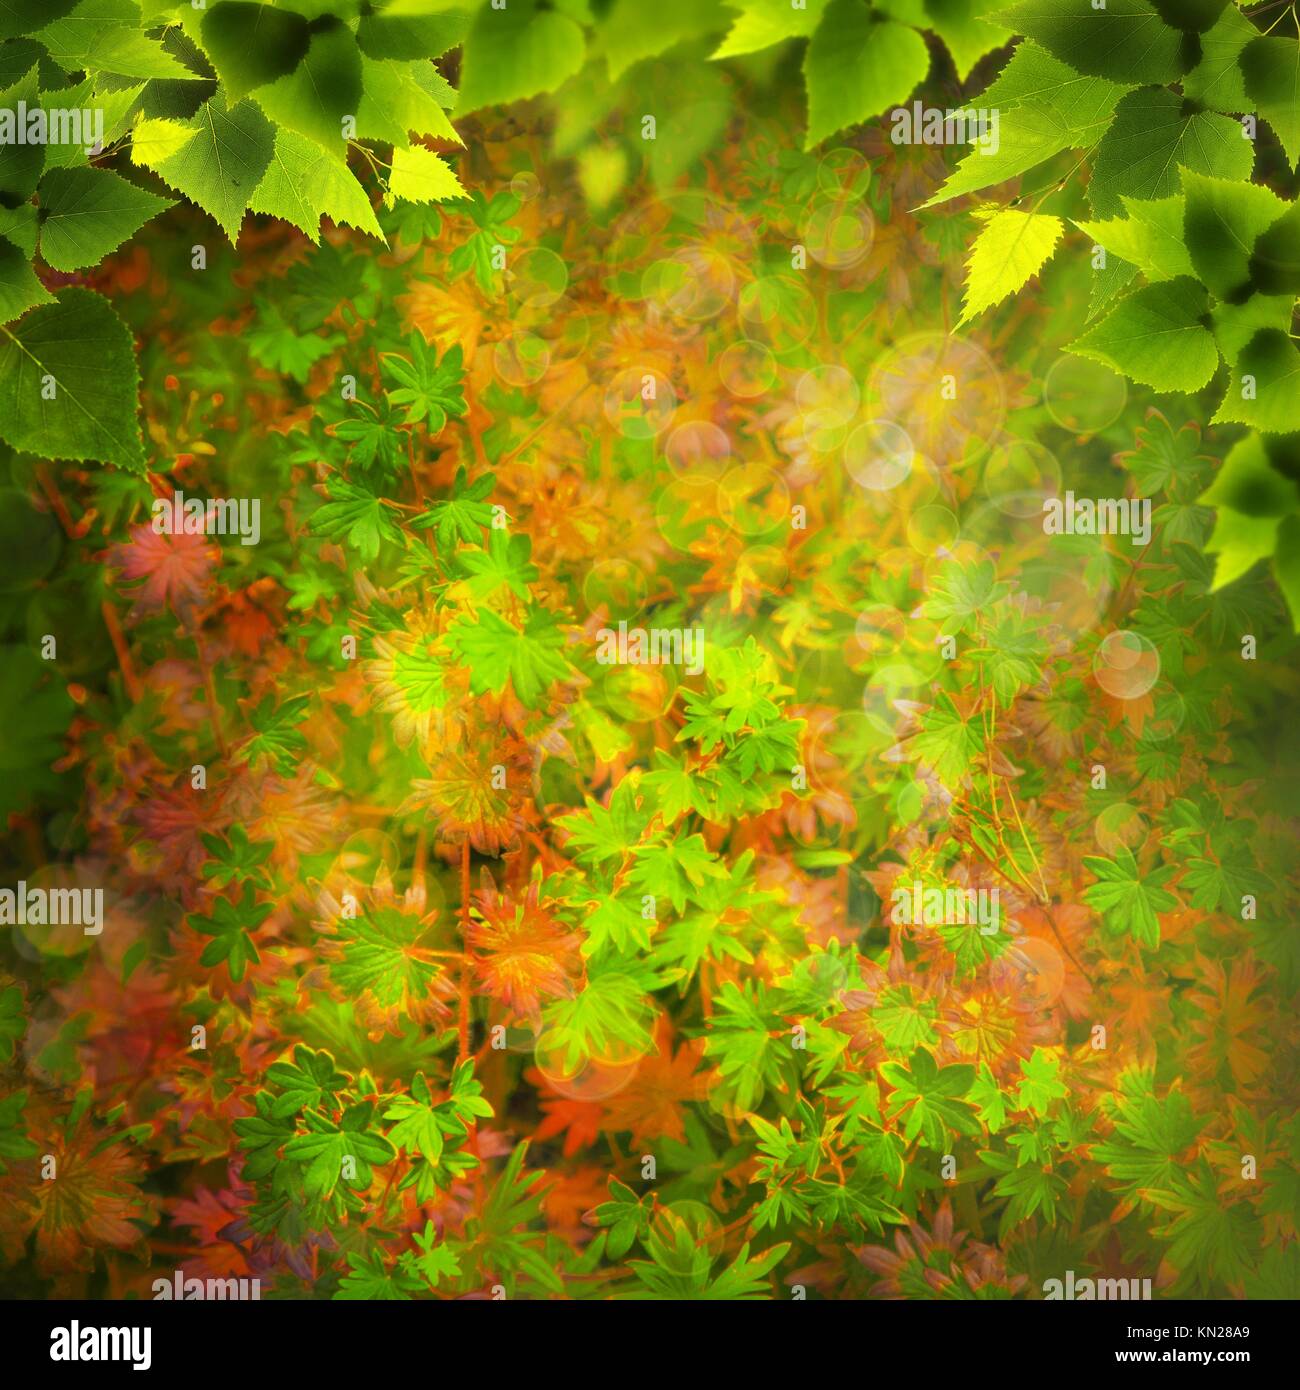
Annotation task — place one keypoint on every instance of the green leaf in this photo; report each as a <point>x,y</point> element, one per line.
<point>78,350</point>
<point>325,1150</point>
<point>35,710</point>
<point>420,30</point>
<point>959,592</point>
<point>1031,133</point>
<point>230,925</point>
<point>930,1097</point>
<point>437,1261</point>
<point>1275,258</point>
<point>1150,237</point>
<point>221,165</point>
<point>1040,1083</point>
<point>515,53</point>
<point>1264,389</point>
<point>1154,134</point>
<point>602,172</point>
<point>1271,68</point>
<point>381,954</point>
<point>633,31</point>
<point>106,36</point>
<point>505,564</point>
<point>276,737</point>
<point>1210,1236</point>
<point>1286,566</point>
<point>304,183</point>
<point>967,31</point>
<point>1240,542</point>
<point>20,290</point>
<point>310,1081</point>
<point>1127,41</point>
<point>1236,324</point>
<point>370,1280</point>
<point>1216,81</point>
<point>1032,76</point>
<point>429,388</point>
<point>399,98</point>
<point>86,213</point>
<point>355,513</point>
<point>1011,246</point>
<point>20,165</point>
<point>857,66</point>
<point>762,23</point>
<point>1221,224</point>
<point>464,514</point>
<point>321,91</point>
<point>14,1142</point>
<point>1151,1135</point>
<point>235,858</point>
<point>1129,898</point>
<point>250,44</point>
<point>420,176</point>
<point>1248,483</point>
<point>496,652</point>
<point>1156,336</point>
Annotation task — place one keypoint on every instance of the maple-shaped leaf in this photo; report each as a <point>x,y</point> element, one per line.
<point>277,738</point>
<point>741,1038</point>
<point>327,1149</point>
<point>385,952</point>
<point>676,788</point>
<point>673,869</point>
<point>277,345</point>
<point>988,1099</point>
<point>947,742</point>
<point>930,1096</point>
<point>1151,1135</point>
<point>1128,897</point>
<point>1210,1236</point>
<point>310,1080</point>
<point>680,1266</point>
<point>605,834</point>
<point>500,1230</point>
<point>464,514</point>
<point>1013,656</point>
<point>435,1262</point>
<point>261,1135</point>
<point>960,591</point>
<point>505,564</point>
<point>429,388</point>
<point>610,1017</point>
<point>371,1280</point>
<point>372,440</point>
<point>230,926</point>
<point>1040,1083</point>
<point>1031,1187</point>
<point>355,515</point>
<point>627,1216</point>
<point>418,1128</point>
<point>497,652</point>
<point>236,856</point>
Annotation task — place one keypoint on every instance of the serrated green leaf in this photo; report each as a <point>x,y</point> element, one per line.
<point>858,65</point>
<point>1011,246</point>
<point>68,383</point>
<point>1156,336</point>
<point>87,213</point>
